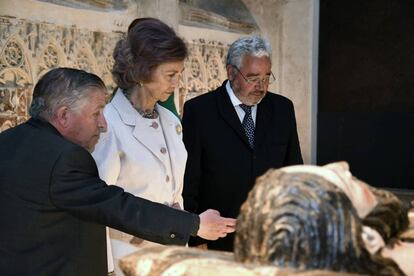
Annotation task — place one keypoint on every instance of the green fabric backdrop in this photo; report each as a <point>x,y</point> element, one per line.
<point>169,104</point>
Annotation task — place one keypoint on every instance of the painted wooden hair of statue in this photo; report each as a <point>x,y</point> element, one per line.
<point>302,221</point>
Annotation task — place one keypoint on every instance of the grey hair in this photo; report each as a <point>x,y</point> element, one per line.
<point>253,45</point>
<point>62,87</point>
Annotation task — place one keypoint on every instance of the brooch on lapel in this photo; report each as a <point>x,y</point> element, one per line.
<point>178,129</point>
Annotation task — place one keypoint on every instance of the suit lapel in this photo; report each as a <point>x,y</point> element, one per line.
<point>263,120</point>
<point>228,113</point>
<point>168,126</point>
<point>143,134</point>
<point>141,130</point>
<point>173,138</point>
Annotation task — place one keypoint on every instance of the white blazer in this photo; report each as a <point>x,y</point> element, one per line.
<point>133,155</point>
<point>146,159</point>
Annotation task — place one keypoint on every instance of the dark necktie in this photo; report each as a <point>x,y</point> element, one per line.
<point>248,123</point>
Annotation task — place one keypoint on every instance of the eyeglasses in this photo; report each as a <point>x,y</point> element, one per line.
<point>256,80</point>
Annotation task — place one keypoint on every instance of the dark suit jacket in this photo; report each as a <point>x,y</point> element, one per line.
<point>54,207</point>
<point>221,167</point>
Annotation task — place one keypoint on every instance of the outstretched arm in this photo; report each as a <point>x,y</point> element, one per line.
<point>76,188</point>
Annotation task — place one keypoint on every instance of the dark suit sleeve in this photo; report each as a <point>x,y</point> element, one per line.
<point>192,176</point>
<point>76,188</point>
<point>293,153</point>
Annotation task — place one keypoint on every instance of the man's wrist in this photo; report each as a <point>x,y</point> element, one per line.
<point>195,226</point>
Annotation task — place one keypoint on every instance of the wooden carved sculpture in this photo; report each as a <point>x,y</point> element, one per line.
<point>302,220</point>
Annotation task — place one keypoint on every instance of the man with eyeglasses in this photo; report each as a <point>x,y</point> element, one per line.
<point>235,134</point>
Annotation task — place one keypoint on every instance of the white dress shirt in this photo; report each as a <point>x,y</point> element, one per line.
<point>236,104</point>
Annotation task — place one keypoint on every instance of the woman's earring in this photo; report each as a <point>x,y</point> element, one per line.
<point>140,84</point>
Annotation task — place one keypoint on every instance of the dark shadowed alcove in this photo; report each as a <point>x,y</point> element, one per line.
<point>366,89</point>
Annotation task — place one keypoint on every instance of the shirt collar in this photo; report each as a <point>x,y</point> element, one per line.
<point>234,100</point>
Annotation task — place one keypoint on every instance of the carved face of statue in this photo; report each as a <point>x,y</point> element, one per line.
<point>301,217</point>
<point>338,174</point>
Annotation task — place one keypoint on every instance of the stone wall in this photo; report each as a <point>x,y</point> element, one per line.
<point>29,48</point>
<point>37,35</point>
<point>292,28</point>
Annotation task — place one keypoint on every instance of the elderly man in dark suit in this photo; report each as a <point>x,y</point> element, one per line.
<point>53,205</point>
<point>235,134</point>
